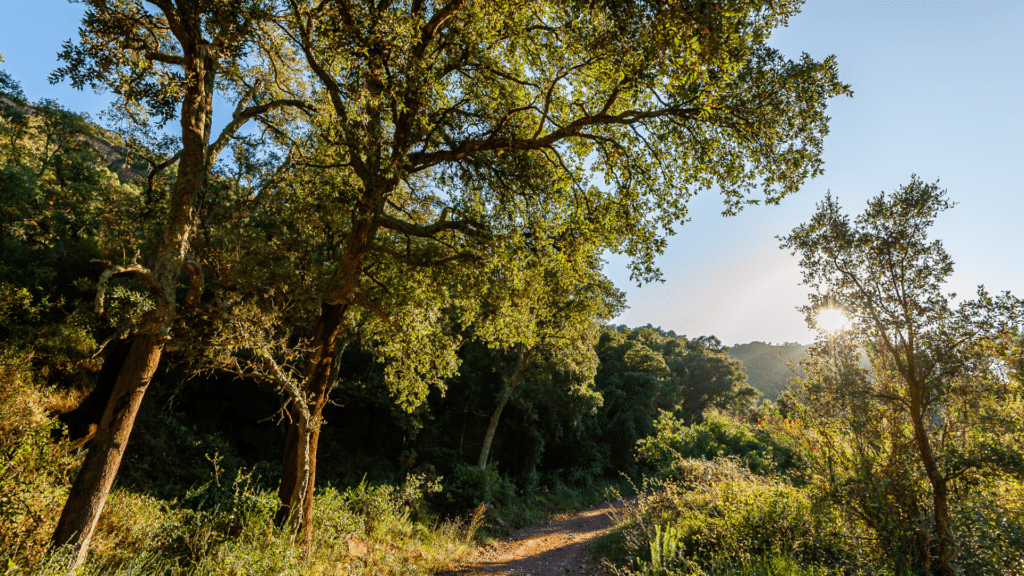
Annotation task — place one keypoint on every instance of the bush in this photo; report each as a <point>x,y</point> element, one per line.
<point>989,528</point>
<point>33,469</point>
<point>717,437</point>
<point>718,516</point>
<point>468,485</point>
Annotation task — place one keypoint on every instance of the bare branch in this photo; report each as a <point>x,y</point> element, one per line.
<point>101,288</point>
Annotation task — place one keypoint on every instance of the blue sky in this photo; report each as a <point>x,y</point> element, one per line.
<point>937,91</point>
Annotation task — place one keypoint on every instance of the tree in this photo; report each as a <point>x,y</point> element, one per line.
<point>704,376</point>
<point>552,311</point>
<point>928,359</point>
<point>455,119</point>
<point>632,377</point>
<point>169,60</point>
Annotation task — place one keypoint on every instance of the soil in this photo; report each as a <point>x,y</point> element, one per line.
<point>560,546</point>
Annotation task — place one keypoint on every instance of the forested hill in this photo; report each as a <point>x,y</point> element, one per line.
<point>766,365</point>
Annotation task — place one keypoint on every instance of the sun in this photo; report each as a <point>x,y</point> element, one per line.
<point>832,320</point>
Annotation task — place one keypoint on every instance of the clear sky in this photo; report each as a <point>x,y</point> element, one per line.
<point>938,91</point>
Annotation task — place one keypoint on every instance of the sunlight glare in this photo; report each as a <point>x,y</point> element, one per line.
<point>832,320</point>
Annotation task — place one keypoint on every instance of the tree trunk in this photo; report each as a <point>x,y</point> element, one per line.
<point>940,493</point>
<point>521,364</point>
<point>316,370</point>
<point>92,485</point>
<point>94,481</point>
<point>84,419</point>
<point>299,469</point>
<point>492,426</point>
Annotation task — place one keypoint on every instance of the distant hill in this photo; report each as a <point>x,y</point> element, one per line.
<point>765,364</point>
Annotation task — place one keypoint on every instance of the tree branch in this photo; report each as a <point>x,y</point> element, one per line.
<point>442,224</point>
<point>422,160</point>
<point>101,287</point>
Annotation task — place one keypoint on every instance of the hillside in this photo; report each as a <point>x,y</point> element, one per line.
<point>765,365</point>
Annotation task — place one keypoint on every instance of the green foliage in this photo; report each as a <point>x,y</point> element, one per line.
<point>33,469</point>
<point>717,437</point>
<point>718,518</point>
<point>226,528</point>
<point>899,438</point>
<point>467,486</point>
<point>707,378</point>
<point>454,175</point>
<point>777,565</point>
<point>989,528</point>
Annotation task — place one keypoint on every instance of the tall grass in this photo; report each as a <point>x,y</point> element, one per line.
<point>718,518</point>
<point>361,531</point>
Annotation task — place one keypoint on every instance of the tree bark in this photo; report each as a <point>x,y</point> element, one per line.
<point>301,441</point>
<point>94,481</point>
<point>316,370</point>
<point>92,485</point>
<point>84,419</point>
<point>522,362</point>
<point>940,492</point>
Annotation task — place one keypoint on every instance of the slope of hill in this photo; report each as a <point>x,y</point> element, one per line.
<point>765,365</point>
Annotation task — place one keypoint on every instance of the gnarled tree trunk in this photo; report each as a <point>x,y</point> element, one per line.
<point>316,370</point>
<point>94,481</point>
<point>299,466</point>
<point>92,485</point>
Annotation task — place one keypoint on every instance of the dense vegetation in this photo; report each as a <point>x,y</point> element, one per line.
<point>365,321</point>
<point>897,449</point>
<point>197,487</point>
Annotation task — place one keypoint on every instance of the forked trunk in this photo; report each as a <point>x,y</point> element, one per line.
<point>92,485</point>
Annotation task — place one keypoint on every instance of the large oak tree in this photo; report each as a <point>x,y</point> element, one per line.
<point>479,111</point>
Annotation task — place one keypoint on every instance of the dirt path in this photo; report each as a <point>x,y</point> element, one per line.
<point>560,546</point>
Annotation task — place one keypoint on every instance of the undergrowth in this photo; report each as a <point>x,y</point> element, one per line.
<point>223,524</point>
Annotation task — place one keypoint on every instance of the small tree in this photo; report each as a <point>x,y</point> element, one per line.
<point>704,376</point>
<point>552,309</point>
<point>931,365</point>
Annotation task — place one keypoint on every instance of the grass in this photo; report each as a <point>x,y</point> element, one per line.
<point>717,518</point>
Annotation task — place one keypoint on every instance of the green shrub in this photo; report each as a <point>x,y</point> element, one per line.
<point>715,515</point>
<point>989,531</point>
<point>717,437</point>
<point>33,469</point>
<point>468,485</point>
